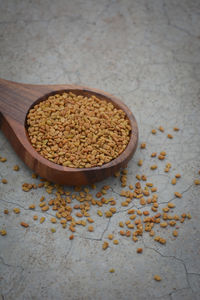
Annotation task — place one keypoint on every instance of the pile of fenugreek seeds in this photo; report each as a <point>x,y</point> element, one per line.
<point>143,213</point>
<point>78,131</point>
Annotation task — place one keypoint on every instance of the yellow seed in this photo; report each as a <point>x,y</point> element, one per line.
<point>4,181</point>
<point>173,181</point>
<point>53,220</point>
<point>3,232</point>
<point>153,167</point>
<point>153,154</point>
<point>178,175</point>
<point>153,131</point>
<point>105,245</point>
<point>16,168</point>
<point>42,219</point>
<point>45,208</point>
<point>157,278</point>
<point>24,224</point>
<point>143,146</point>
<point>110,236</point>
<point>32,206</point>
<point>140,162</point>
<point>35,218</point>
<point>197,181</point>
<point>3,159</point>
<point>115,242</point>
<point>171,205</point>
<point>176,129</point>
<point>16,210</point>
<point>90,228</point>
<point>178,195</point>
<point>175,233</point>
<point>99,212</point>
<point>53,230</point>
<point>161,128</point>
<point>112,270</point>
<point>170,136</point>
<point>121,224</point>
<point>164,224</point>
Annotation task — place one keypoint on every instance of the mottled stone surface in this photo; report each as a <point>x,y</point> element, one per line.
<point>146,52</point>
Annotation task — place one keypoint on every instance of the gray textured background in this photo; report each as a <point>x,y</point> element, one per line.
<point>146,52</point>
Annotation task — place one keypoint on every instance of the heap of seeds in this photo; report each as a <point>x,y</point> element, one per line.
<point>78,131</point>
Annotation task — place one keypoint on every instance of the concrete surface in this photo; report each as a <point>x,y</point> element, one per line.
<point>147,53</point>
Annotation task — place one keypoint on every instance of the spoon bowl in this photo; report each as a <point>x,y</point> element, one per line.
<point>15,101</point>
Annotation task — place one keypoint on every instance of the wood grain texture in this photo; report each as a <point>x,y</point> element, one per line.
<point>15,101</point>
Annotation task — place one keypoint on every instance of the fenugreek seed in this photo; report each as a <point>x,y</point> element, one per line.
<point>170,136</point>
<point>153,131</point>
<point>53,230</point>
<point>16,210</point>
<point>161,157</point>
<point>163,153</point>
<point>153,154</point>
<point>121,224</point>
<point>130,226</point>
<point>157,278</point>
<point>161,128</point>
<point>53,220</point>
<point>6,212</point>
<point>172,223</point>
<point>3,159</point>
<point>154,189</point>
<point>110,236</point>
<point>151,233</point>
<point>115,242</point>
<point>3,232</point>
<point>178,195</point>
<point>35,218</point>
<point>117,174</point>
<point>24,224</point>
<point>139,250</point>
<point>112,270</point>
<point>138,177</point>
<point>99,212</point>
<point>153,167</point>
<point>175,233</point>
<point>178,175</point>
<point>163,224</point>
<point>143,177</point>
<point>105,245</point>
<point>4,181</point>
<point>140,162</point>
<point>90,228</point>
<point>42,219</point>
<point>131,211</point>
<point>143,146</point>
<point>45,208</point>
<point>165,209</point>
<point>176,129</point>
<point>16,168</point>
<point>171,205</point>
<point>173,181</point>
<point>32,206</point>
<point>197,181</point>
<point>71,237</point>
<point>90,220</point>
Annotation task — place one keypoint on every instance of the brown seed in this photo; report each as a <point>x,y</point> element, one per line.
<point>163,153</point>
<point>161,157</point>
<point>32,206</point>
<point>105,245</point>
<point>161,128</point>
<point>45,208</point>
<point>171,205</point>
<point>90,228</point>
<point>16,168</point>
<point>110,236</point>
<point>153,167</point>
<point>71,237</point>
<point>140,162</point>
<point>139,250</point>
<point>108,214</point>
<point>153,131</point>
<point>154,189</point>
<point>157,278</point>
<point>176,129</point>
<point>178,175</point>
<point>163,224</point>
<point>153,154</point>
<point>3,159</point>
<point>121,224</point>
<point>112,270</point>
<point>173,181</point>
<point>4,181</point>
<point>178,195</point>
<point>197,181</point>
<point>143,146</point>
<point>24,224</point>
<point>170,136</point>
<point>115,242</point>
<point>53,220</point>
<point>16,210</point>
<point>6,212</point>
<point>175,233</point>
<point>35,218</point>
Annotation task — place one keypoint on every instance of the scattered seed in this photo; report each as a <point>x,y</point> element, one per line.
<point>3,232</point>
<point>6,212</point>
<point>143,146</point>
<point>115,242</point>
<point>16,210</point>
<point>16,168</point>
<point>35,218</point>
<point>153,131</point>
<point>176,129</point>
<point>153,154</point>
<point>178,195</point>
<point>112,270</point>
<point>157,278</point>
<point>42,219</point>
<point>139,250</point>
<point>153,167</point>
<point>4,181</point>
<point>105,245</point>
<point>173,181</point>
<point>3,159</point>
<point>90,228</point>
<point>170,136</point>
<point>161,128</point>
<point>24,224</point>
<point>32,206</point>
<point>140,162</point>
<point>197,181</point>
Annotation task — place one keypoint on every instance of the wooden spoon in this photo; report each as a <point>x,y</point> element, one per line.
<point>15,101</point>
